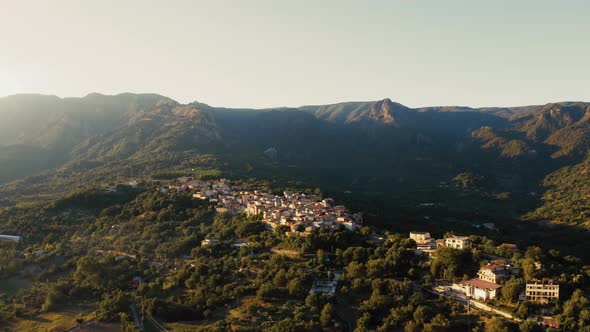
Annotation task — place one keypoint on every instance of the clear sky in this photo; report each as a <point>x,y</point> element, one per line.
<point>257,53</point>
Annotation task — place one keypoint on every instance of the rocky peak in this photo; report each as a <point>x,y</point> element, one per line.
<point>389,113</point>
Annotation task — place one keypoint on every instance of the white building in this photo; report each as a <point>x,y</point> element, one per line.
<point>457,242</point>
<point>10,238</point>
<point>477,289</point>
<point>542,291</point>
<point>493,273</point>
<point>209,241</point>
<point>420,237</point>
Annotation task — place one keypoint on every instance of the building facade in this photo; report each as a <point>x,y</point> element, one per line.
<point>457,242</point>
<point>542,291</point>
<point>420,237</point>
<point>477,289</point>
<point>493,273</point>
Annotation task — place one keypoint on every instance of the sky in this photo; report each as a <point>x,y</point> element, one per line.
<point>268,53</point>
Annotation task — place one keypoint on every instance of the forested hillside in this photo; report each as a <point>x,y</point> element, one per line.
<point>102,255</point>
<point>50,146</point>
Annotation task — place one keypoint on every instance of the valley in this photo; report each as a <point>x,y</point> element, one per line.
<point>212,217</point>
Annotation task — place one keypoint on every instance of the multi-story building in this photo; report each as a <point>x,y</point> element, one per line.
<point>542,291</point>
<point>457,242</point>
<point>420,237</point>
<point>493,273</point>
<point>477,289</point>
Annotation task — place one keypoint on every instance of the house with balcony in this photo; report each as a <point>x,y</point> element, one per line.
<point>542,291</point>
<point>493,273</point>
<point>457,242</point>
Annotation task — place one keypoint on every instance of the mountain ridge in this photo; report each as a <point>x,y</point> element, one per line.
<point>73,141</point>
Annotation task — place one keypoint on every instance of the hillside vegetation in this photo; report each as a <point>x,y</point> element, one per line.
<point>50,145</point>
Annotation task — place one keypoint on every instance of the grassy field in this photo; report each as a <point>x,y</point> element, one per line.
<point>60,320</point>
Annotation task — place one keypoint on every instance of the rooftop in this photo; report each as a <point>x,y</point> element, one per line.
<point>541,282</point>
<point>490,266</point>
<point>10,238</point>
<point>478,283</point>
<point>456,237</point>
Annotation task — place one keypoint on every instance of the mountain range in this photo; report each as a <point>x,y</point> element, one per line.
<point>50,144</point>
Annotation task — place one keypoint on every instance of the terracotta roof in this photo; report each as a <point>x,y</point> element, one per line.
<point>478,283</point>
<point>490,267</point>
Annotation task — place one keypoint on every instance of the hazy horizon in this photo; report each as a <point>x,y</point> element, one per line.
<point>292,106</point>
<point>264,54</point>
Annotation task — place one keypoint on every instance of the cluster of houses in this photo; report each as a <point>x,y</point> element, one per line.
<point>490,277</point>
<point>428,245</point>
<point>301,213</point>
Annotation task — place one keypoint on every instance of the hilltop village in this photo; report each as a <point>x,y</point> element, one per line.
<point>248,248</point>
<point>300,213</point>
<point>468,272</point>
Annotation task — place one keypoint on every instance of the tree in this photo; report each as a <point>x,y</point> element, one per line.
<point>321,255</point>
<point>497,325</point>
<point>438,323</point>
<point>354,270</point>
<point>363,323</point>
<point>528,268</point>
<point>127,323</point>
<point>111,305</point>
<point>522,311</point>
<point>468,181</point>
<point>534,252</point>
<point>326,315</point>
<point>295,287</point>
<point>411,326</point>
<point>246,229</point>
<point>52,298</point>
<point>576,312</point>
<point>280,279</point>
<point>420,315</point>
<point>530,326</point>
<point>265,292</point>
<point>512,289</point>
<point>451,263</point>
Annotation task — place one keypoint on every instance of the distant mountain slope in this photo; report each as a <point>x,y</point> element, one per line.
<point>567,196</point>
<point>166,125</point>
<point>53,127</point>
<point>559,129</point>
<point>49,121</point>
<point>48,142</point>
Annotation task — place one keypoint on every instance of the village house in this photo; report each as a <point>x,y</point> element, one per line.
<point>511,246</point>
<point>542,291</point>
<point>10,238</point>
<point>478,289</point>
<point>209,241</point>
<point>457,242</point>
<point>376,239</point>
<point>493,273</point>
<point>421,237</point>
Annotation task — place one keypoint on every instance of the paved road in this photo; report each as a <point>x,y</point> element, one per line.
<point>478,305</point>
<point>136,318</point>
